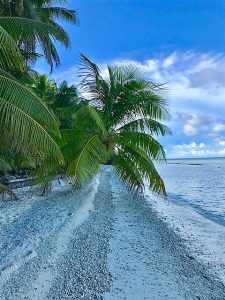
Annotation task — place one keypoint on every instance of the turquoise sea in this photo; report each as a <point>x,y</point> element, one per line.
<point>197,183</point>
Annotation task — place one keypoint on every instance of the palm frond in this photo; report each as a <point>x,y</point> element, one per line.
<point>128,172</point>
<point>28,33</point>
<point>146,124</point>
<point>88,117</point>
<point>30,132</point>
<point>50,51</point>
<point>26,117</point>
<point>21,29</point>
<point>61,36</point>
<point>89,73</point>
<point>146,168</point>
<point>4,166</point>
<point>10,53</point>
<point>86,160</point>
<point>135,104</point>
<point>61,13</point>
<point>142,140</point>
<point>25,99</point>
<point>75,135</point>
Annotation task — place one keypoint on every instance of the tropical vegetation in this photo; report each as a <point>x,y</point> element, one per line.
<point>29,131</point>
<point>117,126</point>
<point>49,129</point>
<point>43,14</point>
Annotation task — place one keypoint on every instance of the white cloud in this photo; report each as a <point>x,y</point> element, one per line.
<point>219,127</point>
<point>193,80</point>
<point>190,130</point>
<point>196,95</point>
<point>69,75</point>
<point>195,123</point>
<point>201,149</point>
<point>222,143</point>
<point>170,60</point>
<point>194,149</point>
<point>191,149</point>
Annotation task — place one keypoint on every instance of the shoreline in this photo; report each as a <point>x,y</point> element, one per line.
<point>203,237</point>
<point>98,243</point>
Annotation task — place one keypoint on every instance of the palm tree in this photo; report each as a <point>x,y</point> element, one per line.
<point>61,98</point>
<point>66,95</point>
<point>46,89</point>
<point>119,127</point>
<point>45,12</point>
<point>66,103</point>
<point>28,129</point>
<point>23,114</point>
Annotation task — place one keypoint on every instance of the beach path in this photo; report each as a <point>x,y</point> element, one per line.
<point>99,243</point>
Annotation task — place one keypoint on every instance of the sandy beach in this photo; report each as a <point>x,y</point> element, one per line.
<point>99,243</point>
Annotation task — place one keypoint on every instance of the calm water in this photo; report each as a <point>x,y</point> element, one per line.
<point>199,183</point>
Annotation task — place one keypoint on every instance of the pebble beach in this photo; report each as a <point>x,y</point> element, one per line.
<point>101,242</point>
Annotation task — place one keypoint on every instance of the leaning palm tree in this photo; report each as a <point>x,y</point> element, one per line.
<point>118,126</point>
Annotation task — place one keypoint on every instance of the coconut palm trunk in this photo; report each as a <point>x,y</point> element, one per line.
<point>19,8</point>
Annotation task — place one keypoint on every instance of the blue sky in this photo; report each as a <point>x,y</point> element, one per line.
<point>178,42</point>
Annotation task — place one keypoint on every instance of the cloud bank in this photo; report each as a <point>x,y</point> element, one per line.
<point>195,85</point>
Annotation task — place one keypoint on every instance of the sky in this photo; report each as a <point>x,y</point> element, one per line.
<point>177,42</point>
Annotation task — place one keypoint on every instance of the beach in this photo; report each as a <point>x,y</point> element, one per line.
<point>101,242</point>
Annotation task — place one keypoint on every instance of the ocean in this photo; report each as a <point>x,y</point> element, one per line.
<point>195,207</point>
<point>197,183</point>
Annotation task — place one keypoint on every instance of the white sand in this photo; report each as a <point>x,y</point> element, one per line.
<point>98,243</point>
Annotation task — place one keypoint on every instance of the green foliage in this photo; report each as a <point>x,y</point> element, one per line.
<point>44,88</point>
<point>24,116</point>
<point>118,123</point>
<point>42,12</point>
<point>10,53</point>
<point>4,166</point>
<point>62,99</point>
<point>119,126</point>
<point>84,154</point>
<point>29,131</point>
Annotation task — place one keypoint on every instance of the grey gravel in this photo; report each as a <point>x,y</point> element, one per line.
<point>67,247</point>
<point>148,260</point>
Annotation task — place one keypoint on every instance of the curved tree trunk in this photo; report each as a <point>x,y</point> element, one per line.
<point>47,189</point>
<point>19,7</point>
